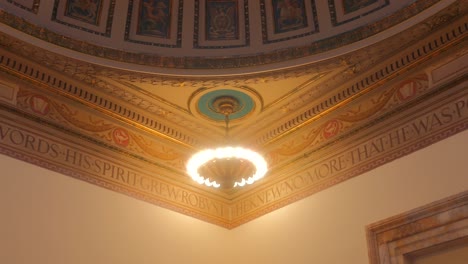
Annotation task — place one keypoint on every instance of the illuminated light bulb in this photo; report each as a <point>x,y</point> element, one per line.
<point>204,156</point>
<point>226,105</point>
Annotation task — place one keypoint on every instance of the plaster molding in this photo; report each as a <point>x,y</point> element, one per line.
<point>397,239</point>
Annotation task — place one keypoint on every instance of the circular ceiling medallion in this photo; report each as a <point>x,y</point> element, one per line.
<point>209,103</point>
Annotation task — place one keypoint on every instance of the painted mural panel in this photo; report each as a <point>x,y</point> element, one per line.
<point>354,5</point>
<point>154,18</point>
<point>284,20</point>
<point>88,11</point>
<point>289,15</point>
<point>29,5</point>
<point>222,20</point>
<point>344,11</point>
<point>91,16</point>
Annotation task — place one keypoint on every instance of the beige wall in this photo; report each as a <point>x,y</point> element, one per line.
<point>453,255</point>
<point>51,218</point>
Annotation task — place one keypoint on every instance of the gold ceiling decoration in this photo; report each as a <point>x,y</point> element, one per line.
<point>332,114</point>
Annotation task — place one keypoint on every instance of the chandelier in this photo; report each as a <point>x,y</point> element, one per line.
<point>229,166</point>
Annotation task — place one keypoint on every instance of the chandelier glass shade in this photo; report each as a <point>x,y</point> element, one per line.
<point>229,166</point>
<point>225,164</point>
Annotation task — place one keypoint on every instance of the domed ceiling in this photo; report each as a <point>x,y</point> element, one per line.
<point>209,34</point>
<point>122,93</point>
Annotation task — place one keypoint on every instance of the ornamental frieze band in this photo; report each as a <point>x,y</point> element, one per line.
<point>440,117</point>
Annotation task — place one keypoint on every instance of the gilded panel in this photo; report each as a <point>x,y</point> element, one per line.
<point>91,125</point>
<point>350,117</point>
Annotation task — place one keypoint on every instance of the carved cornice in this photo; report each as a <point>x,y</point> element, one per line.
<point>98,99</point>
<point>374,76</point>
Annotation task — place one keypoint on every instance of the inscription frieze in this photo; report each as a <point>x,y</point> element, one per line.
<point>106,169</point>
<point>383,147</point>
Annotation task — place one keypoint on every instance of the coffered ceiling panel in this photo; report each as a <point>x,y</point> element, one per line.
<point>207,34</point>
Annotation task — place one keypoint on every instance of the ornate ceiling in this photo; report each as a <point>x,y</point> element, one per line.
<point>116,93</point>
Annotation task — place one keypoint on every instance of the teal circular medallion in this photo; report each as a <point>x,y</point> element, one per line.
<point>208,109</point>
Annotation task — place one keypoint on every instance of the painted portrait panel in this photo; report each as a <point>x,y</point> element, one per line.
<point>154,18</point>
<point>354,5</point>
<point>88,11</point>
<point>289,15</point>
<point>222,20</point>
